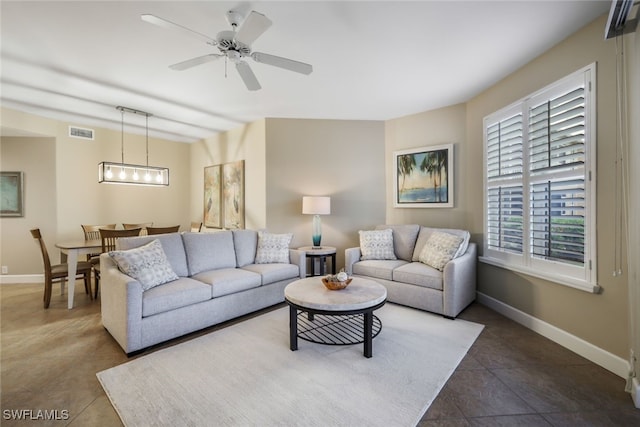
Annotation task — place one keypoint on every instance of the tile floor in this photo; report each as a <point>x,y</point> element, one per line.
<point>510,377</point>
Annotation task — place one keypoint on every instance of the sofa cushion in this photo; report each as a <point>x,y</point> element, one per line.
<point>425,233</point>
<point>440,248</point>
<point>381,269</point>
<point>273,248</point>
<point>272,273</point>
<point>179,293</point>
<point>404,239</point>
<point>419,274</point>
<point>147,264</point>
<point>209,251</point>
<point>376,244</point>
<point>245,242</point>
<point>171,244</point>
<point>227,281</point>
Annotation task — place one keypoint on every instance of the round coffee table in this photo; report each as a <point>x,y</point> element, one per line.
<point>334,317</point>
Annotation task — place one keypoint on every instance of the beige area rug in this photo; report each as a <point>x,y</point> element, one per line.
<point>245,375</point>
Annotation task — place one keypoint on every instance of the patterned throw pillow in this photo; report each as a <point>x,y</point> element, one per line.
<point>147,264</point>
<point>377,244</point>
<point>440,249</point>
<point>273,248</point>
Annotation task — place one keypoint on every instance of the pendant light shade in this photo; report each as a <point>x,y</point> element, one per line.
<point>125,173</point>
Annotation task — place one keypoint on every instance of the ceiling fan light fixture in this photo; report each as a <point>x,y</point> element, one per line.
<point>235,45</point>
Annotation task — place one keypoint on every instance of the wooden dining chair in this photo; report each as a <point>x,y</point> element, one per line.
<point>196,227</point>
<point>162,230</point>
<point>92,232</point>
<point>143,226</point>
<point>59,272</point>
<point>109,238</point>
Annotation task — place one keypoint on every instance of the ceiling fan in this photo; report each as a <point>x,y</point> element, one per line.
<point>234,45</point>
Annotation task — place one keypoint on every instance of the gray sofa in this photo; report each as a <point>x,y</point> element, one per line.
<point>218,280</point>
<point>415,284</point>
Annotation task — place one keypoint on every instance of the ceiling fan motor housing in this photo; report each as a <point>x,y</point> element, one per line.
<point>226,43</point>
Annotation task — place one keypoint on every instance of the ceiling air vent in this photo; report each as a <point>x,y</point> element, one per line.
<point>619,21</point>
<point>81,133</point>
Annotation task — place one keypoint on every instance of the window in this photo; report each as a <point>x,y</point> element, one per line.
<point>539,183</point>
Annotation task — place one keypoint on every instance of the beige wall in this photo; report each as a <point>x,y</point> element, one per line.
<point>69,184</point>
<point>244,143</point>
<point>598,319</point>
<point>632,53</point>
<point>36,158</point>
<point>342,159</point>
<point>437,127</point>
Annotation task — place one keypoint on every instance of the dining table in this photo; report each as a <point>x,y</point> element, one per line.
<point>73,250</point>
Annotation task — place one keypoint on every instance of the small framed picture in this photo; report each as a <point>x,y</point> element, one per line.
<point>423,177</point>
<point>11,201</point>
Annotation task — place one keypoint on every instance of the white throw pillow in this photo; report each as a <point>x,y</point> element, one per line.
<point>147,264</point>
<point>273,248</point>
<point>440,249</point>
<point>377,244</point>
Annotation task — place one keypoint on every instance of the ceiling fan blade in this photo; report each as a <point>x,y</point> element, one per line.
<point>247,75</point>
<point>194,61</point>
<point>287,64</point>
<point>252,28</point>
<point>161,22</point>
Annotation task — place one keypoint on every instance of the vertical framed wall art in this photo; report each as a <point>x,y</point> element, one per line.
<point>423,177</point>
<point>233,194</point>
<point>11,200</point>
<point>213,196</point>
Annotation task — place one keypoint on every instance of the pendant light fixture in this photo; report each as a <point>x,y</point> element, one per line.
<point>125,173</point>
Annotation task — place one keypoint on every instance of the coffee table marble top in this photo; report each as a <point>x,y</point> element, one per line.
<point>311,293</point>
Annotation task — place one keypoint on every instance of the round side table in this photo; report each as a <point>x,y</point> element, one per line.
<point>318,256</point>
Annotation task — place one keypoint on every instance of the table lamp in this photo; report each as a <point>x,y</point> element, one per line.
<point>316,206</point>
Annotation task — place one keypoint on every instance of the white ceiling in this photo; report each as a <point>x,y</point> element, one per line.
<point>76,61</point>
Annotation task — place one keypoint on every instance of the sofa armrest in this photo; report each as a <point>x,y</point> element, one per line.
<point>299,258</point>
<point>351,256</point>
<point>121,305</point>
<point>459,282</point>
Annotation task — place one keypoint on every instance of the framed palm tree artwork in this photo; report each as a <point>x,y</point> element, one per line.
<point>423,177</point>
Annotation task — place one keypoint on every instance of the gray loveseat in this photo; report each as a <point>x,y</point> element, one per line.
<point>217,280</point>
<point>414,283</point>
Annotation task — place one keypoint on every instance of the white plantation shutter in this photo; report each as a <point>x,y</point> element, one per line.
<point>504,187</point>
<point>505,218</point>
<point>557,183</point>
<point>557,220</point>
<point>504,148</point>
<point>539,196</point>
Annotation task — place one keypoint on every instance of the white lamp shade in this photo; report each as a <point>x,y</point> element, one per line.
<point>316,205</point>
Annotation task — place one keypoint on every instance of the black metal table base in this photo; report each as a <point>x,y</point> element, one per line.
<point>334,328</point>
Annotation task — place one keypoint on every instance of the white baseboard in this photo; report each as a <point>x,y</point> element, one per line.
<point>21,278</point>
<point>609,361</point>
<point>635,392</point>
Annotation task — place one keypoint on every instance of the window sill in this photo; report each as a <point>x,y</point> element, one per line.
<point>555,278</point>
